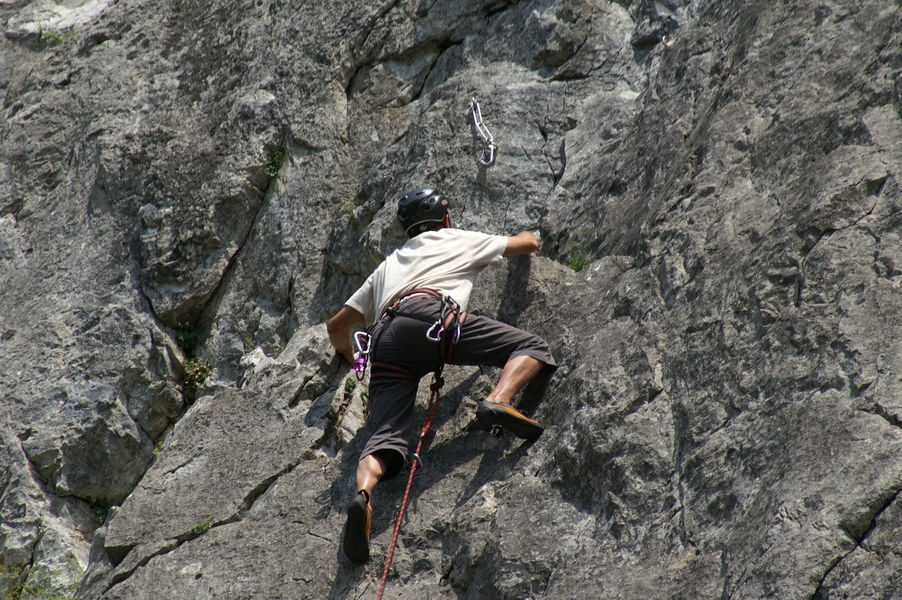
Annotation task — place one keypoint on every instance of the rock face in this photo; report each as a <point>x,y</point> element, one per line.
<point>188,189</point>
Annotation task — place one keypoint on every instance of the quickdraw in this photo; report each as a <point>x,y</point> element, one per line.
<point>449,320</point>
<point>487,156</point>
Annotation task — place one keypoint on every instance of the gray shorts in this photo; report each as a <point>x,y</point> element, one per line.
<point>401,341</point>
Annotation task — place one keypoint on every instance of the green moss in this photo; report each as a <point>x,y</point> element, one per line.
<point>201,528</point>
<point>51,38</point>
<point>16,583</point>
<point>249,343</point>
<point>274,163</point>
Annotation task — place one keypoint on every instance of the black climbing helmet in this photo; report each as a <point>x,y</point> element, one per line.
<point>418,209</point>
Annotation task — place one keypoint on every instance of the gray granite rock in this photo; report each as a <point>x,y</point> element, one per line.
<point>188,190</point>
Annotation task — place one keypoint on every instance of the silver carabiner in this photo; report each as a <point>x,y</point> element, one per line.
<point>488,155</point>
<point>438,330</point>
<point>362,341</point>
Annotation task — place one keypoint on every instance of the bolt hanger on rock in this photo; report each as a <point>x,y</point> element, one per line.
<point>487,156</point>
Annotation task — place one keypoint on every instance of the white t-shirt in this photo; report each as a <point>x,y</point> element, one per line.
<point>447,260</point>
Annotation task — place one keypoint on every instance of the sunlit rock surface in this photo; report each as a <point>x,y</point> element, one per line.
<point>188,189</point>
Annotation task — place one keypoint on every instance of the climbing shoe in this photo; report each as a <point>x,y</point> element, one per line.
<point>357,529</point>
<point>492,415</point>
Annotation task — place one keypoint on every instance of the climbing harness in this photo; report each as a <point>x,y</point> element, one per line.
<point>362,341</point>
<point>487,157</point>
<point>451,319</point>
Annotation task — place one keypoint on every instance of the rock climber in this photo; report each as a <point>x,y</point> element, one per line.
<point>415,304</point>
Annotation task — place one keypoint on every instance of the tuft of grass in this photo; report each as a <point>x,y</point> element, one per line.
<point>274,163</point>
<point>350,385</point>
<point>579,263</point>
<point>580,258</point>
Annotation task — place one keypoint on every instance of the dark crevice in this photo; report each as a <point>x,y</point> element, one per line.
<point>179,466</point>
<point>444,46</point>
<point>878,409</point>
<point>246,505</point>
<point>563,74</point>
<point>366,30</point>
<point>36,474</point>
<point>808,247</point>
<point>543,131</point>
<point>320,537</point>
<point>725,575</point>
<point>215,295</point>
<point>557,174</point>
<point>330,439</point>
<point>499,7</point>
<point>299,395</point>
<point>819,592</point>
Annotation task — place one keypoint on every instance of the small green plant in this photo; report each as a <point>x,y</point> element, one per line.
<point>196,371</point>
<point>201,528</point>
<point>350,385</point>
<point>51,38</point>
<point>580,258</point>
<point>158,448</point>
<point>579,263</point>
<point>274,163</point>
<point>101,508</point>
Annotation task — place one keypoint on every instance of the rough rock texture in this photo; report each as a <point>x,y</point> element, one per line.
<point>187,189</point>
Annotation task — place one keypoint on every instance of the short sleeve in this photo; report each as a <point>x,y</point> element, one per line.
<point>486,249</point>
<point>363,300</point>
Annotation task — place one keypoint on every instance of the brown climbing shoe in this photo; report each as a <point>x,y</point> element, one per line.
<point>499,414</point>
<point>357,529</point>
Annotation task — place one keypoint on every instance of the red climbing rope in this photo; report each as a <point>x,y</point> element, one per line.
<point>431,411</point>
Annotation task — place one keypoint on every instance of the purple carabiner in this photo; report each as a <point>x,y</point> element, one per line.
<point>360,367</point>
<point>362,340</point>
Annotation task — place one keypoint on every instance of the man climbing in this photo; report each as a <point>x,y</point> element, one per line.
<point>416,300</point>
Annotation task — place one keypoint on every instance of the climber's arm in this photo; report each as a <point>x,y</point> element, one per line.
<point>340,327</point>
<point>524,242</point>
